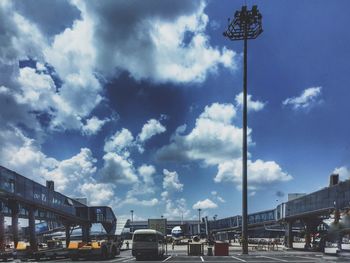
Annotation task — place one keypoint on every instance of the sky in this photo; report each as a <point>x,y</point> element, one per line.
<point>138,104</point>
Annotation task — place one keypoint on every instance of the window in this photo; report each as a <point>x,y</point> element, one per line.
<point>145,238</point>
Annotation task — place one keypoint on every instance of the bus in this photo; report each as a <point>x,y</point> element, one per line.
<point>148,243</point>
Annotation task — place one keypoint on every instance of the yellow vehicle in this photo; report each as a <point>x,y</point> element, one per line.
<point>6,253</point>
<point>52,249</point>
<point>102,249</point>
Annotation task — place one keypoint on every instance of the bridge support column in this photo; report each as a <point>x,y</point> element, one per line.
<point>339,234</point>
<point>14,221</point>
<point>85,232</point>
<point>307,237</point>
<point>31,226</point>
<point>2,231</point>
<point>67,229</point>
<point>289,234</point>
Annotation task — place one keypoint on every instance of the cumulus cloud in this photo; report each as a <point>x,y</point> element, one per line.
<point>80,90</point>
<point>308,98</point>
<point>23,155</point>
<point>260,172</point>
<point>136,201</point>
<point>252,105</point>
<point>74,176</point>
<point>171,181</point>
<point>93,125</point>
<point>147,172</point>
<point>205,204</point>
<point>69,173</point>
<point>216,141</point>
<point>217,197</point>
<point>150,41</point>
<point>176,209</point>
<point>149,129</point>
<point>145,184</point>
<point>119,141</point>
<point>213,139</point>
<point>118,169</point>
<point>343,171</point>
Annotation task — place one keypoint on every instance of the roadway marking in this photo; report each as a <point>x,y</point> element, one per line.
<point>202,259</point>
<point>121,259</point>
<point>305,257</point>
<point>126,260</point>
<point>167,258</point>
<point>277,259</point>
<point>238,259</point>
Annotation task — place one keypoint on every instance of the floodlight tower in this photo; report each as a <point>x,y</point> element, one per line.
<point>245,25</point>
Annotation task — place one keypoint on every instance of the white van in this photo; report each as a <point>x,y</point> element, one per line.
<point>148,243</point>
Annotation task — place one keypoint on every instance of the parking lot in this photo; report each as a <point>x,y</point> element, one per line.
<point>273,257</point>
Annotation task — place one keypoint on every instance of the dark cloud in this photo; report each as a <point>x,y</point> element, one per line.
<point>51,16</point>
<point>123,28</point>
<point>280,194</point>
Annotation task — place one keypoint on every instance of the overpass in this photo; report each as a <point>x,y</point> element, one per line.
<point>310,209</point>
<point>21,197</point>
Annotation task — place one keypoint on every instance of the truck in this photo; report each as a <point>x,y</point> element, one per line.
<point>105,247</point>
<point>7,252</point>
<point>51,249</point>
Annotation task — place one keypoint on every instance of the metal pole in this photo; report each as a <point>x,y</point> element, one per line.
<point>245,149</point>
<point>132,221</point>
<point>199,221</point>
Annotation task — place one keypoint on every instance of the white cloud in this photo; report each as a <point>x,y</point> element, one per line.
<point>150,43</point>
<point>23,155</point>
<point>73,176</point>
<point>260,172</point>
<point>308,98</point>
<point>176,209</point>
<point>149,129</point>
<point>252,105</point>
<point>216,141</point>
<point>35,91</point>
<point>343,171</point>
<point>147,172</point>
<point>70,173</point>
<point>135,201</point>
<point>164,195</point>
<point>171,181</point>
<point>98,193</point>
<point>213,139</point>
<point>205,204</point>
<point>93,125</point>
<point>222,113</point>
<point>119,141</point>
<point>217,197</point>
<point>145,184</point>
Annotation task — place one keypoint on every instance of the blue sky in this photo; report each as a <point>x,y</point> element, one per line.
<point>136,104</point>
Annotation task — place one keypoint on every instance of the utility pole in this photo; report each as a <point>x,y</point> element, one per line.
<point>246,24</point>
<point>132,221</point>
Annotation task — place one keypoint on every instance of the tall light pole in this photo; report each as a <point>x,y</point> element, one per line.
<point>199,221</point>
<point>132,221</point>
<point>246,24</point>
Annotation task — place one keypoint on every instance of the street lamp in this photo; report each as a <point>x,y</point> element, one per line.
<point>132,221</point>
<point>245,25</point>
<point>199,221</point>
